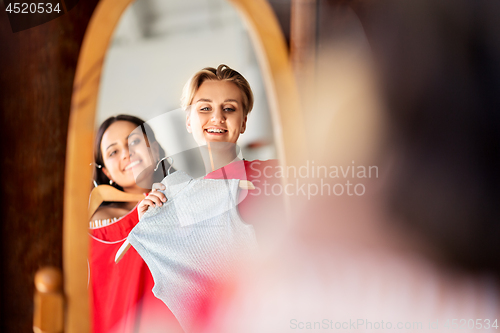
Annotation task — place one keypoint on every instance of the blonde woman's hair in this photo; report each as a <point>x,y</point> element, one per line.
<point>222,73</point>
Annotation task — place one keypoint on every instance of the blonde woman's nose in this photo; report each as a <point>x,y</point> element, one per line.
<point>218,116</point>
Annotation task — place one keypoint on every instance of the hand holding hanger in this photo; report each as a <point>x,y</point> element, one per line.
<point>157,198</point>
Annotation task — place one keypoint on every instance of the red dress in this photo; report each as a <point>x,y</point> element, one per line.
<point>121,296</point>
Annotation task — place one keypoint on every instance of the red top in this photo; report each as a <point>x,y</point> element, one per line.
<point>262,207</point>
<point>122,298</point>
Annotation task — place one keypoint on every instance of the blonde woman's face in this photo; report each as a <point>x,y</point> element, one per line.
<point>216,113</point>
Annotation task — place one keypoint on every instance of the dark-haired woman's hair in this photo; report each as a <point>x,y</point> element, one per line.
<point>99,176</point>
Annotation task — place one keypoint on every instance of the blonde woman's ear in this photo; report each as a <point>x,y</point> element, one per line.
<point>244,126</point>
<point>188,123</point>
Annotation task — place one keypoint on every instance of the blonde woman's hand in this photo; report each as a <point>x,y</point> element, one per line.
<point>153,199</point>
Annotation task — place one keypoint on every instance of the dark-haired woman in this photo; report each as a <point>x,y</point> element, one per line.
<point>124,158</point>
<point>122,300</point>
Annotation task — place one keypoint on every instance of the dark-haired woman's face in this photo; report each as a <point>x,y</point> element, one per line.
<point>125,153</point>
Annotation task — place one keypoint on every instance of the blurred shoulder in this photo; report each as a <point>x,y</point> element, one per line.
<point>261,164</point>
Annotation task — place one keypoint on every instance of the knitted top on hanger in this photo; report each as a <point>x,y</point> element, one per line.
<point>192,243</point>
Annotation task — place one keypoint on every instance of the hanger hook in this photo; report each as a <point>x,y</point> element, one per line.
<point>170,161</point>
<point>158,164</point>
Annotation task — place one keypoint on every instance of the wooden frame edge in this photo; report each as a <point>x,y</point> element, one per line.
<point>78,158</point>
<point>274,62</point>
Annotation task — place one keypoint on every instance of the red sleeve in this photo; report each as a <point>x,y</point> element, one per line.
<point>262,207</point>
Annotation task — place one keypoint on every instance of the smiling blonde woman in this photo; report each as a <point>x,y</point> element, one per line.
<point>195,241</point>
<point>217,102</point>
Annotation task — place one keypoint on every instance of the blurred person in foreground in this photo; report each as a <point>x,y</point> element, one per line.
<point>419,250</point>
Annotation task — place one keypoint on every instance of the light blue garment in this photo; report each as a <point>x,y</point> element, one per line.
<point>192,243</point>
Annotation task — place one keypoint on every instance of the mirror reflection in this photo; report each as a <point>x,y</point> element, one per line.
<point>168,106</point>
<point>158,46</point>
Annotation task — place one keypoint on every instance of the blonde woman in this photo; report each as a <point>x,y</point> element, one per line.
<point>218,102</point>
<point>196,240</point>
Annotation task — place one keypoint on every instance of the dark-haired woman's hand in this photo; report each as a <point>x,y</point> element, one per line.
<point>153,199</point>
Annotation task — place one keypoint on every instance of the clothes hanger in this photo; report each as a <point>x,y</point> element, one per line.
<point>103,193</point>
<point>244,184</point>
<point>126,245</point>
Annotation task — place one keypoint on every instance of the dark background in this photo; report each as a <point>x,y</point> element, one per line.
<point>37,69</point>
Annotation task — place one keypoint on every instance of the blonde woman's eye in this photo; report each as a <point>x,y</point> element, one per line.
<point>206,108</point>
<point>135,142</point>
<point>229,109</point>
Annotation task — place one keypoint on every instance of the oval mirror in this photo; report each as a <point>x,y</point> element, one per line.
<point>135,59</point>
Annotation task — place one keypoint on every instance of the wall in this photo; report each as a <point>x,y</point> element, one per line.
<point>37,69</point>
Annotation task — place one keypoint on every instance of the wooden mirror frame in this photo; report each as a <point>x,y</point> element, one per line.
<point>272,54</point>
